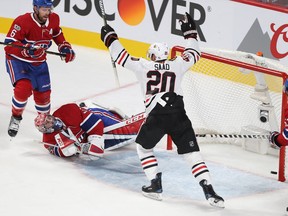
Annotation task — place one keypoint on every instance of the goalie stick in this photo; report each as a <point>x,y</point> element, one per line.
<point>129,121</point>
<point>22,47</point>
<point>112,61</point>
<point>98,105</point>
<point>126,122</point>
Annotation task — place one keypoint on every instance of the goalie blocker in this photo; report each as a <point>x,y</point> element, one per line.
<point>73,129</point>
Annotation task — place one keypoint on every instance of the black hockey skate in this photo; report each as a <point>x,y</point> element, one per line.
<point>211,196</point>
<point>154,191</point>
<point>14,125</point>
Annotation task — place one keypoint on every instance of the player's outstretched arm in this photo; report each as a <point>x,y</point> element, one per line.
<point>188,27</point>
<point>192,52</point>
<point>108,35</point>
<point>118,53</point>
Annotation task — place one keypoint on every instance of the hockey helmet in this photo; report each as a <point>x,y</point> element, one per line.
<point>47,123</point>
<point>159,50</point>
<point>43,3</point>
<point>285,87</point>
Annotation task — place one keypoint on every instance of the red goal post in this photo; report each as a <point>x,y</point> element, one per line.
<point>241,72</point>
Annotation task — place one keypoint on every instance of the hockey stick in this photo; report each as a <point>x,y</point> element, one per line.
<point>112,61</point>
<point>129,121</point>
<point>230,136</point>
<point>22,47</point>
<point>106,108</point>
<point>83,104</point>
<point>113,110</point>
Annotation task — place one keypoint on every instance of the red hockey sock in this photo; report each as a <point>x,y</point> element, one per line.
<point>42,101</point>
<point>22,91</point>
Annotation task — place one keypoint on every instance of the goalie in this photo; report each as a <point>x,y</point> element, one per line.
<point>281,139</point>
<point>74,129</point>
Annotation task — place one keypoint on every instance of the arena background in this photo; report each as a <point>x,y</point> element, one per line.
<point>222,24</point>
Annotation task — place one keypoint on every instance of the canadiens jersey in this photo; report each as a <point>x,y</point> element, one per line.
<point>84,122</point>
<point>157,78</point>
<point>25,29</point>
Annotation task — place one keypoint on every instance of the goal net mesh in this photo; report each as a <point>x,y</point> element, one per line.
<point>233,93</point>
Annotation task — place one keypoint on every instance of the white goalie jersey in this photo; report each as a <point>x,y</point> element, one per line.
<point>157,78</point>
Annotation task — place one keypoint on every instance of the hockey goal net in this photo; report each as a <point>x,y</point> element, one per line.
<point>233,96</point>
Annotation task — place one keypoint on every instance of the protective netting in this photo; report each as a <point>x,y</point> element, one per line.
<point>231,92</point>
<point>217,98</point>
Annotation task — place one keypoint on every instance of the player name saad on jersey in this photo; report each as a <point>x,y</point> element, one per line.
<point>161,66</point>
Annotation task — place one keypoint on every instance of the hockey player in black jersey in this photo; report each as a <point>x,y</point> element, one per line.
<point>160,80</point>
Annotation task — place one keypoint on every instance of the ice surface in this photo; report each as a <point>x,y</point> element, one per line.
<point>33,182</point>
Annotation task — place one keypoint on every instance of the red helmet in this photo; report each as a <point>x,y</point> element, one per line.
<point>47,123</point>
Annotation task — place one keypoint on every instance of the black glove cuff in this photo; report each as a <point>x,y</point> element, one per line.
<point>192,35</point>
<point>109,38</point>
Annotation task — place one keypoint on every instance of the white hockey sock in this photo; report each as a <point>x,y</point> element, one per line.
<point>199,168</point>
<point>148,161</point>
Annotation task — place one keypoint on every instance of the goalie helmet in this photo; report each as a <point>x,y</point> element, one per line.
<point>159,50</point>
<point>47,123</point>
<point>285,87</point>
<point>42,3</point>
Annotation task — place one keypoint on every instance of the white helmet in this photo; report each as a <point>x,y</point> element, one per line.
<point>159,50</point>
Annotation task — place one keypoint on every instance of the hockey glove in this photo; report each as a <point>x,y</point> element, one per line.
<point>188,27</point>
<point>66,49</point>
<point>273,141</point>
<point>32,51</point>
<point>67,145</point>
<point>96,145</point>
<point>108,35</point>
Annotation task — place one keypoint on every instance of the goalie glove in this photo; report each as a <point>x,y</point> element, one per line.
<point>95,146</point>
<point>66,144</point>
<point>188,27</point>
<point>273,139</point>
<point>108,35</point>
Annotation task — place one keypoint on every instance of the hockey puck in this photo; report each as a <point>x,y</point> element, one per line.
<point>275,173</point>
<point>287,209</point>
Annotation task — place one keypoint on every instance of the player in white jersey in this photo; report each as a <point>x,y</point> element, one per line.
<point>160,81</point>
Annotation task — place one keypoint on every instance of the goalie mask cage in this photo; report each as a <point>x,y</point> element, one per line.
<point>230,94</point>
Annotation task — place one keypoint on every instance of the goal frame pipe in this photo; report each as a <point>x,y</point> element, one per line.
<point>283,75</point>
